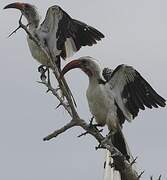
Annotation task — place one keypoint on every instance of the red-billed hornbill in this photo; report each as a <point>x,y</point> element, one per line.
<point>59,33</point>
<point>116,97</point>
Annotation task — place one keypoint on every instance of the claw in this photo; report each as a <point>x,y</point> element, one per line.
<point>91,121</point>
<point>43,77</point>
<point>41,69</point>
<point>91,125</point>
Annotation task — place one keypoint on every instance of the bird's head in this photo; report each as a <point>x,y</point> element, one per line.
<point>86,64</point>
<point>28,10</point>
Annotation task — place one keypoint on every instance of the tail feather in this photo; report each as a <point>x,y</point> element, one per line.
<point>118,140</point>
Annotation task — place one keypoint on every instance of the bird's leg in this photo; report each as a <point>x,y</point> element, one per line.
<point>91,121</point>
<point>91,125</point>
<point>58,63</point>
<point>48,80</point>
<point>49,83</point>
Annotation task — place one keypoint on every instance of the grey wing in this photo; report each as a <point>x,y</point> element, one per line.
<point>132,92</point>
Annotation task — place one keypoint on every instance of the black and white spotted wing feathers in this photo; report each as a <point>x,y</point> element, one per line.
<point>77,34</point>
<point>65,35</point>
<point>132,92</point>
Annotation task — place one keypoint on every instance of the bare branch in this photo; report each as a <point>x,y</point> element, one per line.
<point>54,92</point>
<point>60,131</point>
<point>13,32</point>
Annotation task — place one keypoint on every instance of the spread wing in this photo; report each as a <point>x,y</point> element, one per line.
<point>74,34</point>
<point>132,92</point>
<point>69,34</point>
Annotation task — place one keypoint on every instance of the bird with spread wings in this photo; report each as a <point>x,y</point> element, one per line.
<point>59,33</point>
<point>114,98</point>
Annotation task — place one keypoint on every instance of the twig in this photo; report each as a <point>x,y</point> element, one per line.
<point>60,131</point>
<point>139,176</point>
<point>14,31</point>
<point>60,104</point>
<point>159,178</point>
<point>134,161</point>
<point>54,92</point>
<point>16,28</point>
<point>83,134</point>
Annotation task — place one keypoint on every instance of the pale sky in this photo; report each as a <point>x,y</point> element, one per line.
<point>136,34</point>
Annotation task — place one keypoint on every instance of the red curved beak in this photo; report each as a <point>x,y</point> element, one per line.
<point>16,5</point>
<point>71,65</point>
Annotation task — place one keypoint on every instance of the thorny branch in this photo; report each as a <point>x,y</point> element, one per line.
<point>63,86</point>
<point>104,142</point>
<point>55,93</point>
<point>60,131</point>
<point>159,178</point>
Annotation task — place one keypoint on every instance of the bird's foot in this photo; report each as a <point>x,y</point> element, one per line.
<point>94,126</point>
<point>42,69</point>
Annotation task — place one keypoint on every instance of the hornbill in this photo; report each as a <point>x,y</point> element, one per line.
<point>116,97</point>
<point>59,33</point>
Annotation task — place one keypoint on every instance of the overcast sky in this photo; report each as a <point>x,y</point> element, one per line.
<point>136,34</point>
